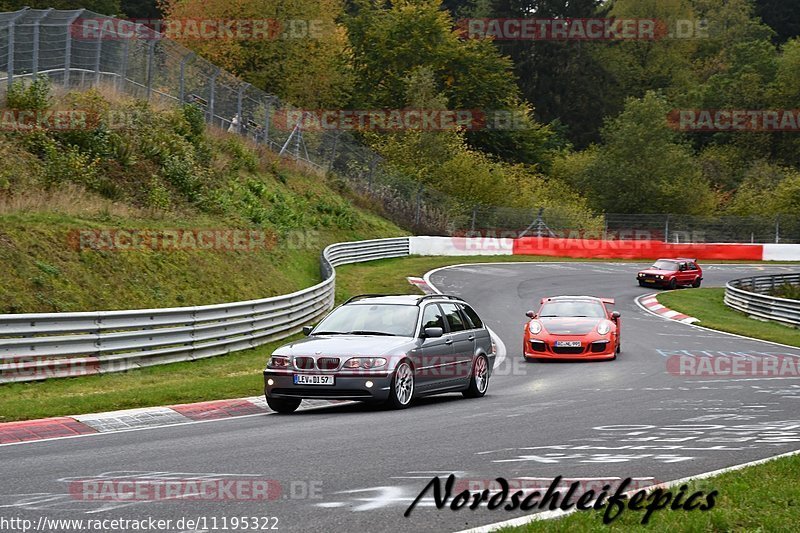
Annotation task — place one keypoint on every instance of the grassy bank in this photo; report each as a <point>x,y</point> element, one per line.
<point>707,305</point>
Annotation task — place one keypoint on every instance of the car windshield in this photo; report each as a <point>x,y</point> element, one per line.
<point>370,319</point>
<point>665,265</point>
<point>573,308</point>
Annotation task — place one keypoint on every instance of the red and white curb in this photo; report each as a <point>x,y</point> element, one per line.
<point>649,302</point>
<point>144,418</point>
<point>421,284</point>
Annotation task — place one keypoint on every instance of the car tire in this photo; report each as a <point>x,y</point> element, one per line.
<point>401,391</point>
<point>673,284</point>
<point>283,406</point>
<point>696,283</point>
<point>478,379</point>
<point>619,348</point>
<point>642,284</point>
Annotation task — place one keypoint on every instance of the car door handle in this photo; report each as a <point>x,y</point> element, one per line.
<point>471,338</point>
<point>449,341</point>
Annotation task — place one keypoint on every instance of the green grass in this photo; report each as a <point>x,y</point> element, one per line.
<point>758,498</point>
<point>707,305</point>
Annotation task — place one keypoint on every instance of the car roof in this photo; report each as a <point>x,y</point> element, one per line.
<point>400,299</point>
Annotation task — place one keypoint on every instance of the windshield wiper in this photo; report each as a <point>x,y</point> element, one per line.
<point>367,332</point>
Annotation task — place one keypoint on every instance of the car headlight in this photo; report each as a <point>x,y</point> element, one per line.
<point>279,361</point>
<point>604,328</point>
<point>535,327</point>
<point>365,363</point>
<point>660,276</point>
<point>641,275</point>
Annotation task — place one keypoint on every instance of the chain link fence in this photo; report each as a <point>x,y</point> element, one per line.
<point>137,61</point>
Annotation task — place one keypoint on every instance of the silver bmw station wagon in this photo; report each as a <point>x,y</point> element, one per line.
<point>384,348</point>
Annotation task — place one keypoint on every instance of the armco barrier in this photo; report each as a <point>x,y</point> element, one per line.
<point>749,295</point>
<point>43,345</point>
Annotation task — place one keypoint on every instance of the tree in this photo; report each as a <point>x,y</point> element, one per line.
<point>782,16</point>
<point>304,61</point>
<point>391,40</point>
<point>563,80</point>
<point>643,165</point>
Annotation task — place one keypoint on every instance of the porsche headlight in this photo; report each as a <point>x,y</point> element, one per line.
<point>535,327</point>
<point>604,328</point>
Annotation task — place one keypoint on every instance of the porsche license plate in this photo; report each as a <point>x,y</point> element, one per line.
<point>312,379</point>
<point>568,344</point>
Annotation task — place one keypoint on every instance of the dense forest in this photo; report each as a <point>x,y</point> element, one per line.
<point>594,134</point>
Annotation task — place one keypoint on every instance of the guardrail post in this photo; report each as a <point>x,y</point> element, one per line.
<point>267,120</point>
<point>10,63</point>
<point>68,47</point>
<point>97,53</point>
<point>239,98</point>
<point>35,55</point>
<point>777,229</point>
<point>182,80</point>
<point>123,71</point>
<point>151,51</point>
<point>212,95</point>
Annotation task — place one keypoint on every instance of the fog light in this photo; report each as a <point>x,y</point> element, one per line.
<point>368,384</point>
<point>270,382</point>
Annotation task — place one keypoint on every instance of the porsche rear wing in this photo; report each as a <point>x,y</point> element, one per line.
<point>609,301</point>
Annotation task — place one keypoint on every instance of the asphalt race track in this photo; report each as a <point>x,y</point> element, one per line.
<point>356,468</point>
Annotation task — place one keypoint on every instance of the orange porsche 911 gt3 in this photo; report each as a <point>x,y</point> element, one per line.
<point>573,327</point>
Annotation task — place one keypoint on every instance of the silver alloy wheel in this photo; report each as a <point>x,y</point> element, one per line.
<point>404,383</point>
<point>481,374</point>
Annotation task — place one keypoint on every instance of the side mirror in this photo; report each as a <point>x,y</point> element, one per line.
<point>615,315</point>
<point>530,314</point>
<point>307,330</point>
<point>432,333</point>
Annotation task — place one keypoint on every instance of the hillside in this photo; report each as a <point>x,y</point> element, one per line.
<point>141,212</point>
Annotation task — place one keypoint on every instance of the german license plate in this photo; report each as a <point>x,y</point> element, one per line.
<point>312,379</point>
<point>568,344</point>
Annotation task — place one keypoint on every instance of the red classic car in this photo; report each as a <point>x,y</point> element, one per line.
<point>671,274</point>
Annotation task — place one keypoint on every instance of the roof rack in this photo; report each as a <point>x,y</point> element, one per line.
<point>360,296</point>
<point>447,296</point>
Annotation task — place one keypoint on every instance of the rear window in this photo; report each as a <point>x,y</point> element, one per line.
<point>472,317</point>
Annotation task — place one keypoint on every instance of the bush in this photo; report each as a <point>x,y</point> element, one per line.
<point>34,96</point>
<point>787,290</point>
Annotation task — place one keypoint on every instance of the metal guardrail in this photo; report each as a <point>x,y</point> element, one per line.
<point>39,346</point>
<point>750,295</point>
